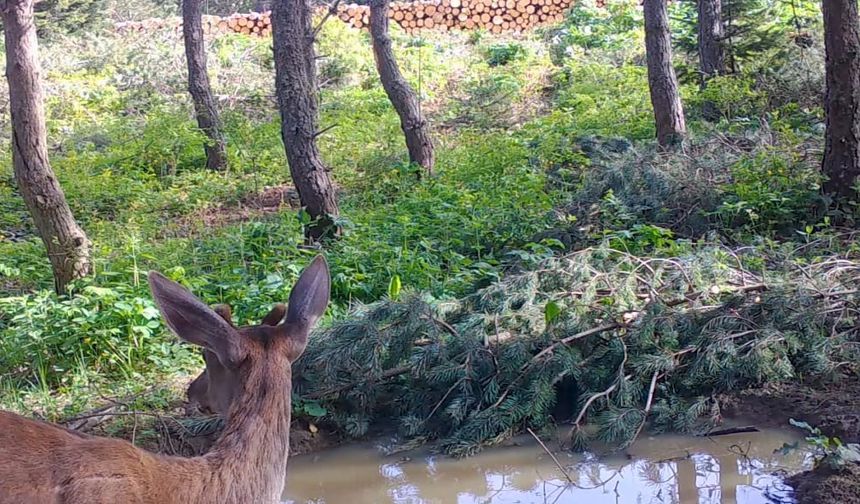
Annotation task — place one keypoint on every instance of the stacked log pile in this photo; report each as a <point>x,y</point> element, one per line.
<point>496,16</point>
<point>254,23</point>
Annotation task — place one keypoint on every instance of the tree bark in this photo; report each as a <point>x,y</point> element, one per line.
<point>67,244</point>
<point>198,84</point>
<point>412,122</point>
<point>841,163</point>
<point>711,59</point>
<point>296,87</point>
<point>665,97</point>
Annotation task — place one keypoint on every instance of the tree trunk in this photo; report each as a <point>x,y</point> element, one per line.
<point>296,87</point>
<point>404,99</point>
<point>842,101</point>
<point>665,98</point>
<point>199,87</point>
<point>67,244</point>
<point>711,59</point>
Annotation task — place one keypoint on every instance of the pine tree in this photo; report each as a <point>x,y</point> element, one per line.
<point>55,17</point>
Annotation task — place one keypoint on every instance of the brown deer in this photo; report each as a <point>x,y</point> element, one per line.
<point>43,463</point>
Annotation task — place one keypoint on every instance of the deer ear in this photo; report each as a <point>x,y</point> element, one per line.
<point>275,316</point>
<point>224,311</point>
<point>195,322</point>
<point>309,297</point>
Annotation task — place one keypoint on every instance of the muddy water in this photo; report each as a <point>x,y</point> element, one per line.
<point>738,468</point>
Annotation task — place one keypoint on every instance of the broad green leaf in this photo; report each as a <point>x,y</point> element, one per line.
<point>394,287</point>
<point>551,311</point>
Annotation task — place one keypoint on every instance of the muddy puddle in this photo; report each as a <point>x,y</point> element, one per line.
<point>730,469</point>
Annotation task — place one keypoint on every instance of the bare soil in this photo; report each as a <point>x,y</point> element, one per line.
<point>255,206</point>
<point>826,485</point>
<point>833,407</point>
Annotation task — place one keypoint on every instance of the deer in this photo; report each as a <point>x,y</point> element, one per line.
<point>45,463</point>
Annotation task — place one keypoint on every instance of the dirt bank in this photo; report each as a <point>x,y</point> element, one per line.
<point>826,485</point>
<point>833,407</point>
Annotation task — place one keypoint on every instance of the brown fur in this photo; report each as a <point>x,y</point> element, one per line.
<point>42,463</point>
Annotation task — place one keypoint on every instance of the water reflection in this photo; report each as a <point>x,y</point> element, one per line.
<point>735,469</point>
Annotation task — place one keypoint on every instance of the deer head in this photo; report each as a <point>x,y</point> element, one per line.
<point>213,390</point>
<point>227,347</point>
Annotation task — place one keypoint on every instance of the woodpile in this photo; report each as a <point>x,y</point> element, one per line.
<point>495,16</point>
<point>254,23</point>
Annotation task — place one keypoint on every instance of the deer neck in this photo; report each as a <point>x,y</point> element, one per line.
<point>250,457</point>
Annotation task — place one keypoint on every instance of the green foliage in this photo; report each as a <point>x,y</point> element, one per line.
<point>754,181</point>
<point>114,331</point>
<point>502,54</point>
<point>734,97</point>
<point>615,28</point>
<point>828,450</point>
<point>63,17</point>
<point>463,285</point>
<point>772,189</point>
<point>756,31</point>
<point>600,99</point>
<point>308,408</point>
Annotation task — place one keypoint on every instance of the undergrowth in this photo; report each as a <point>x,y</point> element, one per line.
<point>555,246</point>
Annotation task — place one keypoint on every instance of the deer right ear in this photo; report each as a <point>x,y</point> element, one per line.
<point>309,297</point>
<point>195,322</point>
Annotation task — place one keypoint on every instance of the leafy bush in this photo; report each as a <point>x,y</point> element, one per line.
<point>502,54</point>
<point>772,190</point>
<point>732,96</point>
<point>598,99</point>
<point>613,28</point>
<point>113,331</point>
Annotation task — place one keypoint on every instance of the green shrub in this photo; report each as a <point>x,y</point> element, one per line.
<point>615,28</point>
<point>502,54</point>
<point>732,96</point>
<point>598,99</point>
<point>771,190</point>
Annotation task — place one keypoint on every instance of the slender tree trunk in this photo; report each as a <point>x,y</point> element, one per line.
<point>296,87</point>
<point>711,59</point>
<point>842,102</point>
<point>665,98</point>
<point>198,84</point>
<point>67,244</point>
<point>412,122</point>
